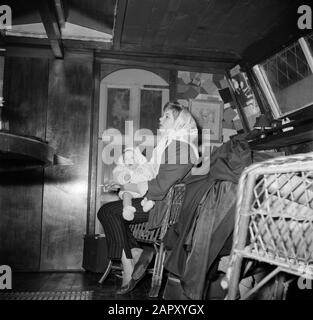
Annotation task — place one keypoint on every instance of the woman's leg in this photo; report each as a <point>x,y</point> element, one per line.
<point>121,243</point>
<point>117,230</point>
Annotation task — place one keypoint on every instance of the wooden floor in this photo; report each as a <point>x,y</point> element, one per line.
<point>88,281</point>
<point>79,281</point>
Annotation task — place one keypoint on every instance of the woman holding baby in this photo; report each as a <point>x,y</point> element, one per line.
<point>145,183</point>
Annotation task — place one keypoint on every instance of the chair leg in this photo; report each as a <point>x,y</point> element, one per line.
<point>157,272</point>
<point>261,283</point>
<point>234,277</point>
<point>106,272</point>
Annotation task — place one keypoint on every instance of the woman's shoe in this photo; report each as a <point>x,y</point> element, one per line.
<point>139,271</point>
<point>130,285</point>
<point>127,288</point>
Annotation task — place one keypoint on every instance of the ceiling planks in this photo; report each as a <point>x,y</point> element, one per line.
<point>136,22</point>
<point>202,26</point>
<point>185,22</point>
<point>168,20</point>
<point>209,32</point>
<point>216,30</point>
<point>157,11</point>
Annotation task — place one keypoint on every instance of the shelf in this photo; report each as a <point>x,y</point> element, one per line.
<point>20,153</point>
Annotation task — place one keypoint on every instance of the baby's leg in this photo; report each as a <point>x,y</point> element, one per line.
<point>128,209</point>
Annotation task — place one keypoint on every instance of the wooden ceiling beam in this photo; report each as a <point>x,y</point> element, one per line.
<point>60,12</point>
<point>186,51</point>
<point>51,24</point>
<point>195,64</point>
<point>120,12</point>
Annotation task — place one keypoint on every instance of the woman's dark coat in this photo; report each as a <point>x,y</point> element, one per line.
<point>202,231</point>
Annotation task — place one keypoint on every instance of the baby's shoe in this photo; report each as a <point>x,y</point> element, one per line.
<point>147,205</point>
<point>129,213</point>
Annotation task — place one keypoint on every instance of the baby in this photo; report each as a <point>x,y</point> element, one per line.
<point>133,173</point>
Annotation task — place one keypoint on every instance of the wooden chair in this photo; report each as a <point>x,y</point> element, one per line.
<point>155,236</point>
<point>274,220</point>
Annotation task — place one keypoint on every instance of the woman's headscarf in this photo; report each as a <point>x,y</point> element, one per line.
<point>184,130</point>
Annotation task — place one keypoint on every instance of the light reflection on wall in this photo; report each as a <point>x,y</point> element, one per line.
<point>79,187</point>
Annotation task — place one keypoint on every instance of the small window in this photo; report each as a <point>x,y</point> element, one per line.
<point>289,78</point>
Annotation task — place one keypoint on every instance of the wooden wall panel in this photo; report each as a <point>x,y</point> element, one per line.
<point>20,219</point>
<point>26,89</point>
<point>66,187</point>
<point>25,93</point>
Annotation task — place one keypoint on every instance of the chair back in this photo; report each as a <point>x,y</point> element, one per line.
<point>174,201</point>
<point>274,214</point>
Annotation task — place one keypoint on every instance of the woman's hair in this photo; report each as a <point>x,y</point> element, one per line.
<point>173,106</point>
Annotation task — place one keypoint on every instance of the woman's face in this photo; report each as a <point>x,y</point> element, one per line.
<point>167,120</point>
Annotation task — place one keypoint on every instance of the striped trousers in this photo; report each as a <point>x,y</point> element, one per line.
<point>116,229</point>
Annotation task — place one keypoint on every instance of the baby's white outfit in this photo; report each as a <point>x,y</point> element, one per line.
<point>134,178</point>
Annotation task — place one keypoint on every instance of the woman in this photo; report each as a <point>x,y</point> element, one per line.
<point>172,159</point>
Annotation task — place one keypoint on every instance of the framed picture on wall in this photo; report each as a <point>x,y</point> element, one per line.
<point>208,114</point>
<point>245,97</point>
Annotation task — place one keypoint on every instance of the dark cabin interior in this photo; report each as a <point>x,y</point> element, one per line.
<point>64,64</point>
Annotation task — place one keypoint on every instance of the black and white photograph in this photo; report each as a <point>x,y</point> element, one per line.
<point>111,190</point>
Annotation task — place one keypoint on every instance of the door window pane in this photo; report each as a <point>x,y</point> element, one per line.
<point>150,109</point>
<point>118,108</point>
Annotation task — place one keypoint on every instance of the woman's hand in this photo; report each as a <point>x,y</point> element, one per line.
<point>111,186</point>
<point>131,187</point>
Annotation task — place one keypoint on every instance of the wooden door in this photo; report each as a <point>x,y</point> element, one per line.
<point>130,99</point>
